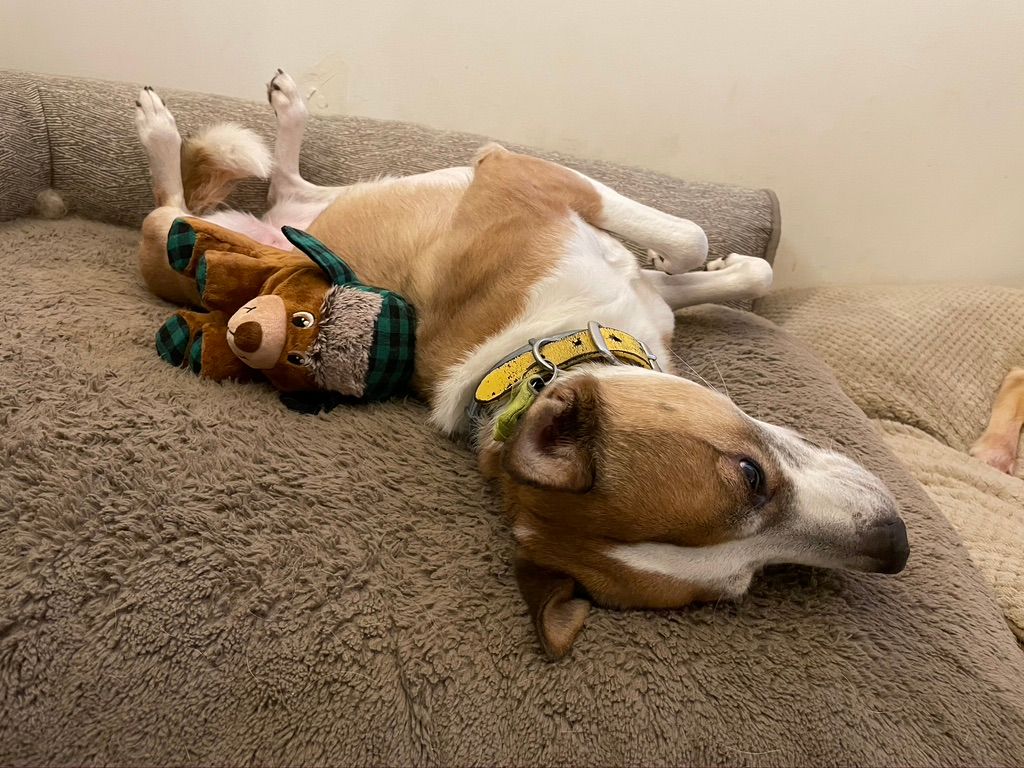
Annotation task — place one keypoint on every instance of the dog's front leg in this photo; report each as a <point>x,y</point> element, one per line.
<point>678,243</point>
<point>734,278</point>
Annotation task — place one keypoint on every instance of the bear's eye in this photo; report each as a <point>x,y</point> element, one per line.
<point>296,359</point>
<point>303,319</point>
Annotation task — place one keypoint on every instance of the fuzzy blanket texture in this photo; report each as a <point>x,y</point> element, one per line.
<point>924,363</point>
<point>192,574</point>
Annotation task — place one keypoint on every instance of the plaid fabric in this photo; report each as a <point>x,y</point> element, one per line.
<point>181,240</point>
<point>172,340</point>
<point>336,269</point>
<point>195,354</point>
<point>201,276</point>
<point>393,353</point>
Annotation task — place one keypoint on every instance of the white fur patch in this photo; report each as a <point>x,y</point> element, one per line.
<point>725,568</point>
<point>680,245</point>
<point>236,150</point>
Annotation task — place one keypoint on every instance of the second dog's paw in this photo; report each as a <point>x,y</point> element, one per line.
<point>155,124</point>
<point>1000,455</point>
<point>284,96</point>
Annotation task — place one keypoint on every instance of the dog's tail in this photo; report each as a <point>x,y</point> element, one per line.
<point>216,159</point>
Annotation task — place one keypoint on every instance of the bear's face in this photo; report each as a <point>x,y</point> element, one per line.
<point>275,332</point>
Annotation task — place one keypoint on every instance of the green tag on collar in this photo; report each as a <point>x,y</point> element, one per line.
<point>523,398</point>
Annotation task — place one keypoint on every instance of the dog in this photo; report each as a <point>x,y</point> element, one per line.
<point>626,486</point>
<point>998,444</point>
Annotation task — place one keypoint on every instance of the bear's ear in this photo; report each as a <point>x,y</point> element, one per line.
<point>336,269</point>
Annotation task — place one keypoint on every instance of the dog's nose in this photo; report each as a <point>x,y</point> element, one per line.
<point>885,543</point>
<point>248,336</point>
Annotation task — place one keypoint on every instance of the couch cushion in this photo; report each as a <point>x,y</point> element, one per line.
<point>190,573</point>
<point>984,505</point>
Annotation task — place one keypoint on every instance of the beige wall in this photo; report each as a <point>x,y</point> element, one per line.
<point>892,131</point>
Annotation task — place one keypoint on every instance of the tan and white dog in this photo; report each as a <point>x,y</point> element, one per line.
<point>625,485</point>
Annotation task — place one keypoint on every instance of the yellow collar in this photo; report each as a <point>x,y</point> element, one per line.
<point>538,363</point>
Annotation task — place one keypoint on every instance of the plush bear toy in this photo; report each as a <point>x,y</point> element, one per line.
<point>301,319</point>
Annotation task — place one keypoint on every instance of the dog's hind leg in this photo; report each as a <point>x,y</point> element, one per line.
<point>998,444</point>
<point>291,199</point>
<point>680,244</point>
<point>734,278</point>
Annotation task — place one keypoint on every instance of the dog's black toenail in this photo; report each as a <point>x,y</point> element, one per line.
<point>138,103</point>
<point>275,86</point>
<point>280,71</point>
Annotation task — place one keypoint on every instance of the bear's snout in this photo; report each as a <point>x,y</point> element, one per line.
<point>257,331</point>
<point>248,336</point>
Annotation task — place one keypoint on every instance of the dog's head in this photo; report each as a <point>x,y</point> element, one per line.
<point>634,489</point>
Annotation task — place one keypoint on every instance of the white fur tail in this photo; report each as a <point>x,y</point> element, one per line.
<point>214,160</point>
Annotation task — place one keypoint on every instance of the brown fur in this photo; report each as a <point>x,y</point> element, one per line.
<point>466,260</point>
<point>634,436</point>
<point>206,182</point>
<point>158,275</point>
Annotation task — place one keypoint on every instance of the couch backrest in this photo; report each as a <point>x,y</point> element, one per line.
<point>78,137</point>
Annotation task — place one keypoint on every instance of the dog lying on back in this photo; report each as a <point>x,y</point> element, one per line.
<point>541,338</point>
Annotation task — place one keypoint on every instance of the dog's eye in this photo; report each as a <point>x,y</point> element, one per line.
<point>303,319</point>
<point>754,475</point>
<point>296,359</point>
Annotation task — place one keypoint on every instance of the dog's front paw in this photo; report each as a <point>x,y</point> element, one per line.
<point>283,95</point>
<point>754,273</point>
<point>155,124</point>
<point>996,452</point>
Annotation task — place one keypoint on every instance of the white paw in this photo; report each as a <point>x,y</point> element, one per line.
<point>682,247</point>
<point>656,260</point>
<point>283,95</point>
<point>156,127</point>
<point>753,273</point>
<point>1001,455</point>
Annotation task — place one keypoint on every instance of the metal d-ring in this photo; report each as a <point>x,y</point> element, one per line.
<point>538,355</point>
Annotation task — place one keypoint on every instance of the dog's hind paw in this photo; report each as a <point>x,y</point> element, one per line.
<point>284,96</point>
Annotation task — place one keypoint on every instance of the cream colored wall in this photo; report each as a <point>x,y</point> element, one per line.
<point>892,131</point>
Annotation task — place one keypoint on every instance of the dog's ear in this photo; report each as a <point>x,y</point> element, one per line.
<point>558,613</point>
<point>553,448</point>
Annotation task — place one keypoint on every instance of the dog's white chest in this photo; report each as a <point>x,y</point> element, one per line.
<point>597,278</point>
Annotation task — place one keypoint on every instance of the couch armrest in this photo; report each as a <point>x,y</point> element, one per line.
<point>84,128</point>
<point>24,145</point>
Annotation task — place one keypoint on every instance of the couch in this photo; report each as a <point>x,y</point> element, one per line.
<point>193,575</point>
